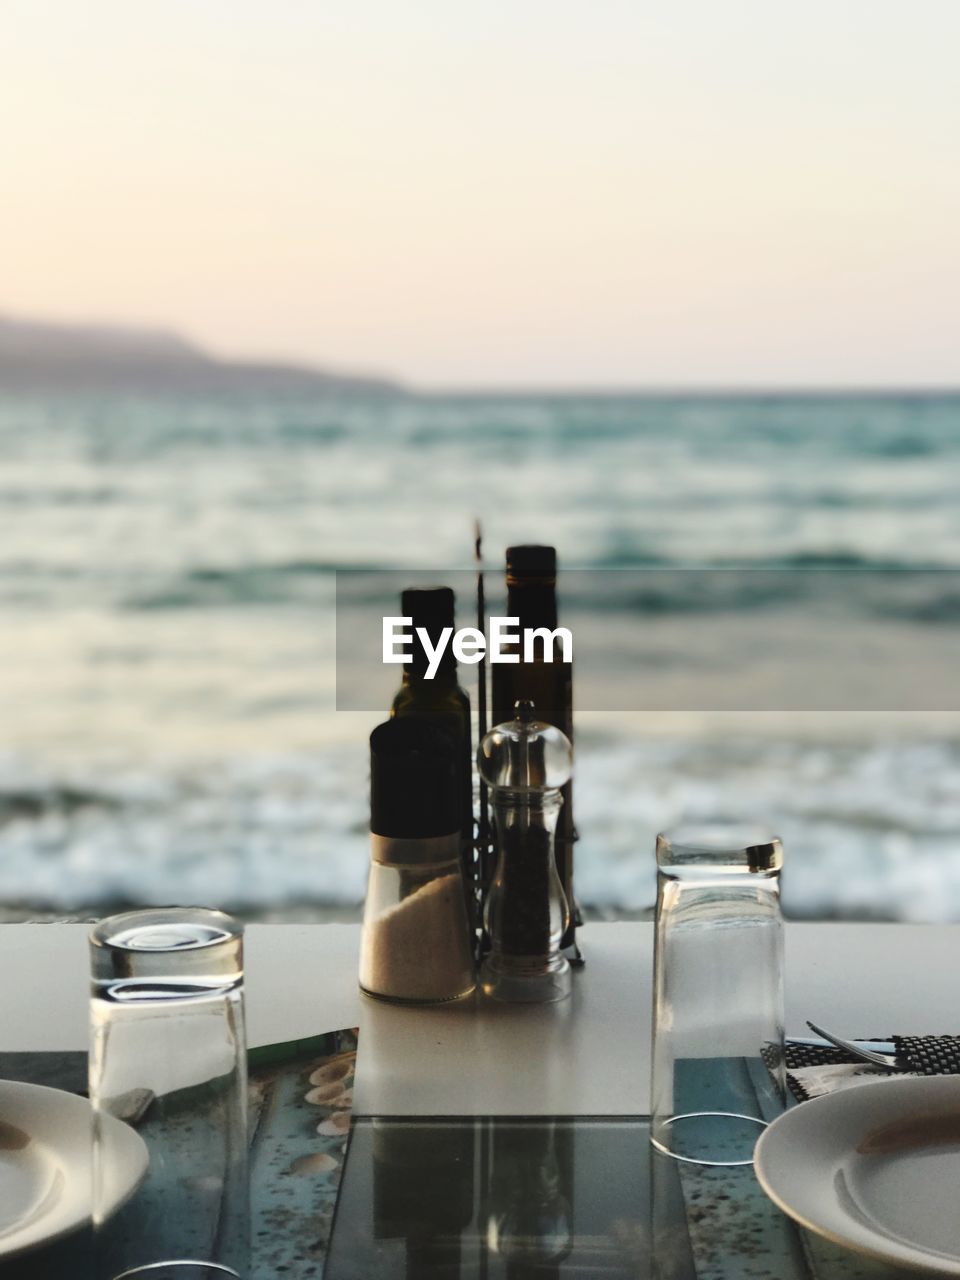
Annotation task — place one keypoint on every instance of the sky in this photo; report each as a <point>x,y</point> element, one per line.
<point>512,192</point>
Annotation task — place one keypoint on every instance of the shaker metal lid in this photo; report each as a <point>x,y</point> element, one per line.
<point>414,777</point>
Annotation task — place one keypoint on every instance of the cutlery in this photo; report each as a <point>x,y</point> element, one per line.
<point>818,1042</point>
<point>890,1061</point>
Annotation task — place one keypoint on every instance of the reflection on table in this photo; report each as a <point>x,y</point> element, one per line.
<point>488,1198</point>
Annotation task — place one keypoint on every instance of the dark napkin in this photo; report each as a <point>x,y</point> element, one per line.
<point>926,1056</point>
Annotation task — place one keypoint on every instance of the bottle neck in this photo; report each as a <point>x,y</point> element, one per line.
<point>416,668</point>
<point>444,680</point>
<point>534,603</point>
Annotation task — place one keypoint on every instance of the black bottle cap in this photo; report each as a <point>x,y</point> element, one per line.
<point>526,563</point>
<point>413,780</point>
<point>433,609</point>
<point>428,605</point>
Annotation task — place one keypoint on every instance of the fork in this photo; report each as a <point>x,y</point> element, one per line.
<point>890,1061</point>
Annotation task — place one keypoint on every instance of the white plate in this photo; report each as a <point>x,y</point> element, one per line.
<point>45,1165</point>
<point>875,1168</point>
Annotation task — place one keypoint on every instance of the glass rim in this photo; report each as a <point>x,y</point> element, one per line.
<point>176,1267</point>
<point>751,845</point>
<point>194,946</point>
<point>110,932</point>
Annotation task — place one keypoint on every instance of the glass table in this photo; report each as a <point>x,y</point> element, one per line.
<point>506,1198</point>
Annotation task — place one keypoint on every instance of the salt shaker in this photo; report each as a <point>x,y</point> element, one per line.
<point>417,945</point>
<point>525,763</point>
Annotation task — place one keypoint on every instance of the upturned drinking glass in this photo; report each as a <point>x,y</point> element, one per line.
<point>168,1056</point>
<point>718,1069</point>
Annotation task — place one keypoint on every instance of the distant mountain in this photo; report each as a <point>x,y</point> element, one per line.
<point>59,357</point>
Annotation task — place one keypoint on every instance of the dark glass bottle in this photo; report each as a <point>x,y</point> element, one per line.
<point>444,703</point>
<point>532,598</point>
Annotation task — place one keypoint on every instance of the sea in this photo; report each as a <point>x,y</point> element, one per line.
<point>172,725</point>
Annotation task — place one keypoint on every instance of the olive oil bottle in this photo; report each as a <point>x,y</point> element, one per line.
<point>445,704</point>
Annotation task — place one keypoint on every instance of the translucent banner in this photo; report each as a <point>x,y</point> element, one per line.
<point>691,639</point>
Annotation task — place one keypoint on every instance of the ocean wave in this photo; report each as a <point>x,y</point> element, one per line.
<point>60,496</point>
<point>261,832</point>
<point>932,608</point>
<point>857,585</point>
<point>628,555</point>
<point>132,521</point>
<point>871,829</point>
<point>36,802</point>
<point>857,589</point>
<point>295,581</point>
<point>903,446</point>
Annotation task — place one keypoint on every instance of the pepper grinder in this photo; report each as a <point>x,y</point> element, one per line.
<point>525,762</point>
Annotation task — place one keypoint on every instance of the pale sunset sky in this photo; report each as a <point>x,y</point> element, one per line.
<point>504,192</point>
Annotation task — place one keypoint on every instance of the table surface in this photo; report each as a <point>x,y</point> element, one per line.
<point>588,1055</point>
<point>621,1211</point>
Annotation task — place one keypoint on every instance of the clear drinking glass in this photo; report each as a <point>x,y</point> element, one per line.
<point>168,1055</point>
<point>718,1068</point>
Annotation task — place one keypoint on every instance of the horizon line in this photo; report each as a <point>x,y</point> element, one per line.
<point>402,386</point>
<point>693,390</point>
